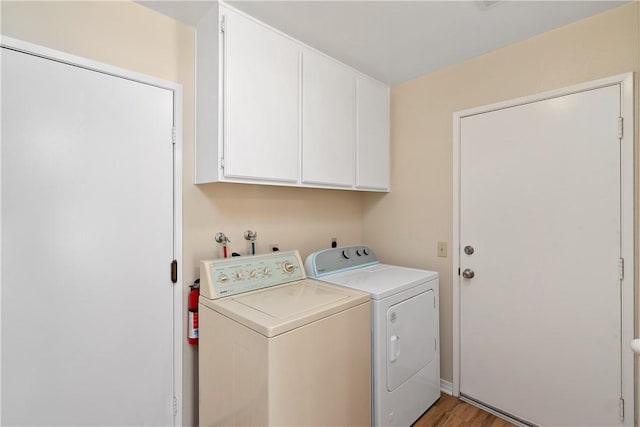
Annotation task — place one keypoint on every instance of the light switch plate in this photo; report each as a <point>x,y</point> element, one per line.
<point>442,249</point>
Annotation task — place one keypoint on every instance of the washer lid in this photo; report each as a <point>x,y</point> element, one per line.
<point>381,280</point>
<point>279,309</point>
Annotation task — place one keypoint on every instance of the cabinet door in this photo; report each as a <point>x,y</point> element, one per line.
<point>372,169</point>
<point>328,121</point>
<point>261,101</point>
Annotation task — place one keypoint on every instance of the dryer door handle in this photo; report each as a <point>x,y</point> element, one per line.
<point>394,348</point>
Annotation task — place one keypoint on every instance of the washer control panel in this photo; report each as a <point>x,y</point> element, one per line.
<point>333,260</point>
<point>229,276</point>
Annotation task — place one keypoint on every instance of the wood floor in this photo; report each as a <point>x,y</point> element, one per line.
<point>449,411</point>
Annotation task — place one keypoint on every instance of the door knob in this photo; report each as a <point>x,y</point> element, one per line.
<point>468,273</point>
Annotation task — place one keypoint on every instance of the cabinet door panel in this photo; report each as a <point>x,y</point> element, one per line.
<point>372,169</point>
<point>328,121</point>
<point>261,101</point>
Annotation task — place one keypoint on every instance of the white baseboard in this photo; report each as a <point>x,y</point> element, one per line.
<point>446,387</point>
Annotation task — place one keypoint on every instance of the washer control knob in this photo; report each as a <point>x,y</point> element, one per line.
<point>287,267</point>
<point>365,251</point>
<point>223,278</point>
<point>238,275</point>
<point>252,274</point>
<point>346,254</point>
<point>358,252</point>
<point>266,272</point>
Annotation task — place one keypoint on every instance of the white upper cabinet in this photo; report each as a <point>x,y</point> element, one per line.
<point>372,163</point>
<point>271,110</point>
<point>208,150</point>
<point>261,93</point>
<point>328,121</point>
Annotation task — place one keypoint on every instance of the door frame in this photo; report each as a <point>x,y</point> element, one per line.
<point>628,234</point>
<point>62,57</point>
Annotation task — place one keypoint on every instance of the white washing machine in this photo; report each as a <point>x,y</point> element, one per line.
<point>277,349</point>
<point>405,331</point>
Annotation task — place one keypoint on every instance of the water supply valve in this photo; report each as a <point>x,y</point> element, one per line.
<point>221,238</point>
<point>251,237</point>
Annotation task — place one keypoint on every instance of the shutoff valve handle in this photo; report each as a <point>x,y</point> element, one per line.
<point>221,238</point>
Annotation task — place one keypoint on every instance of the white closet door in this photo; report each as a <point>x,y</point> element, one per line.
<point>540,322</point>
<point>87,239</point>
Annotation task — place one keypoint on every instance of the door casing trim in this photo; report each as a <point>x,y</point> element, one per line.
<point>628,235</point>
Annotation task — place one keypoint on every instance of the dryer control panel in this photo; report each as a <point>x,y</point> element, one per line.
<point>334,260</point>
<point>229,276</point>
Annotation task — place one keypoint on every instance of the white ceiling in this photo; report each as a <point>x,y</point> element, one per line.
<point>395,41</point>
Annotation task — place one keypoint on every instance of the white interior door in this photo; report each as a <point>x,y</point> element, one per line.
<point>540,321</point>
<point>87,239</point>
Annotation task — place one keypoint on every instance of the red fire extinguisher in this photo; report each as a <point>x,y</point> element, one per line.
<point>192,334</point>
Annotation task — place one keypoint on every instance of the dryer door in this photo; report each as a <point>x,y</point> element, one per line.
<point>411,337</point>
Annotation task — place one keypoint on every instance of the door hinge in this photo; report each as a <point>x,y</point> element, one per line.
<point>621,409</point>
<point>175,406</point>
<point>620,127</point>
<point>458,271</point>
<point>174,271</point>
<point>222,24</point>
<point>621,268</point>
<point>222,163</point>
<point>173,135</point>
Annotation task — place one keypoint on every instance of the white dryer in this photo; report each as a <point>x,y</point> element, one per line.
<point>277,349</point>
<point>405,331</point>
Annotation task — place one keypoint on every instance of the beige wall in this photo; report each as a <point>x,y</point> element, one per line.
<point>130,36</point>
<point>418,212</point>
